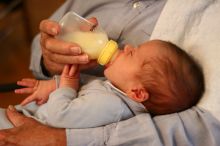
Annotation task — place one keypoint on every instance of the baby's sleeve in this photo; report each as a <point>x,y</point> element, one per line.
<point>87,110</point>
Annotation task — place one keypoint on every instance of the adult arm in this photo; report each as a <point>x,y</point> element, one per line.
<point>192,127</point>
<point>28,132</point>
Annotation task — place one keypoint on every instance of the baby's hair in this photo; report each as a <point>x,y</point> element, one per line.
<point>174,80</point>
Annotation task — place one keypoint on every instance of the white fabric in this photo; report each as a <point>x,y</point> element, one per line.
<point>194,25</point>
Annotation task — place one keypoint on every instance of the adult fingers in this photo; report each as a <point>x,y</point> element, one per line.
<point>55,45</point>
<point>43,37</point>
<point>6,143</point>
<point>93,20</point>
<point>8,138</point>
<point>53,28</point>
<point>3,134</point>
<point>91,64</point>
<point>16,118</point>
<point>91,26</point>
<point>62,59</point>
<point>52,67</point>
<point>3,137</point>
<point>49,27</point>
<point>61,47</point>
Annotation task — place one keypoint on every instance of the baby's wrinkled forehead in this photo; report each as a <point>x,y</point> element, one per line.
<point>157,53</point>
<point>154,48</point>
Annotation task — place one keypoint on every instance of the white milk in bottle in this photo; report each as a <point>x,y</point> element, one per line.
<point>92,40</point>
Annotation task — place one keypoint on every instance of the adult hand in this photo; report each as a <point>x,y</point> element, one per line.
<point>28,132</point>
<point>56,53</point>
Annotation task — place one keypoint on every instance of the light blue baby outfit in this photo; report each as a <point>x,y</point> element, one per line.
<point>98,103</point>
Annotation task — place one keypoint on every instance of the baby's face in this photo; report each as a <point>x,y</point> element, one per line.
<point>124,69</point>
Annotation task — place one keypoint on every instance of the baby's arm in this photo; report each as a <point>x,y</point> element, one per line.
<point>88,110</point>
<point>39,90</point>
<point>92,107</point>
<point>70,77</point>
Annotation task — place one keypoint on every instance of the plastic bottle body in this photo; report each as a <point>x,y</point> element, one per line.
<point>92,40</point>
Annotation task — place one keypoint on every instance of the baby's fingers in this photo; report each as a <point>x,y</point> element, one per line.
<point>65,70</point>
<point>27,82</point>
<point>41,101</point>
<point>28,100</point>
<point>24,91</point>
<point>73,70</point>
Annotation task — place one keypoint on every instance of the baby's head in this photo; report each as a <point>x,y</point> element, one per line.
<point>161,76</point>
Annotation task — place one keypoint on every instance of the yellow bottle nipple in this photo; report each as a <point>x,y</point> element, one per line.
<point>107,52</point>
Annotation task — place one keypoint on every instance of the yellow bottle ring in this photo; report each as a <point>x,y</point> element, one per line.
<point>107,52</point>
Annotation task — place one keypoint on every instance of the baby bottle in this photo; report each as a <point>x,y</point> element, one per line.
<point>92,39</point>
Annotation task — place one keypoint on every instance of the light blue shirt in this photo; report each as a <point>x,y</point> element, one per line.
<point>97,103</point>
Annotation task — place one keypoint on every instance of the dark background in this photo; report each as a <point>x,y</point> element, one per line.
<point>19,21</point>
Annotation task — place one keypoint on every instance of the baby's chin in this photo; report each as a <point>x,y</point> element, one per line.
<point>107,66</point>
<point>106,72</point>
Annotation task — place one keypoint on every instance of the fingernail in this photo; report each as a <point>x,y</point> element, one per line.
<point>11,108</point>
<point>76,50</point>
<point>17,91</point>
<point>84,58</point>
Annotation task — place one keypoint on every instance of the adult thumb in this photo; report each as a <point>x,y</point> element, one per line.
<point>16,118</point>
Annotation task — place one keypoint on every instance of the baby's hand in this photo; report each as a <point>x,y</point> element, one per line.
<point>39,90</point>
<point>70,77</point>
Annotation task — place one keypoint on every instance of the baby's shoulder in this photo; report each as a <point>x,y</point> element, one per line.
<point>98,88</point>
<point>97,83</point>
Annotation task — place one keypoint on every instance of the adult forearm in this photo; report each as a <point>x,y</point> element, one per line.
<point>28,132</point>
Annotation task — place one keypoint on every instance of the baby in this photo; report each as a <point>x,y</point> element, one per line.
<point>156,77</point>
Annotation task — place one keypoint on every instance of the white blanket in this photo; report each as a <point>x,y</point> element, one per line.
<point>194,25</point>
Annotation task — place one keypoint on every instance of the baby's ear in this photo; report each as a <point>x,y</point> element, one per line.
<point>138,94</point>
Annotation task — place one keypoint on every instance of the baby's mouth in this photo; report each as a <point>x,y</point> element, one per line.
<point>112,61</point>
